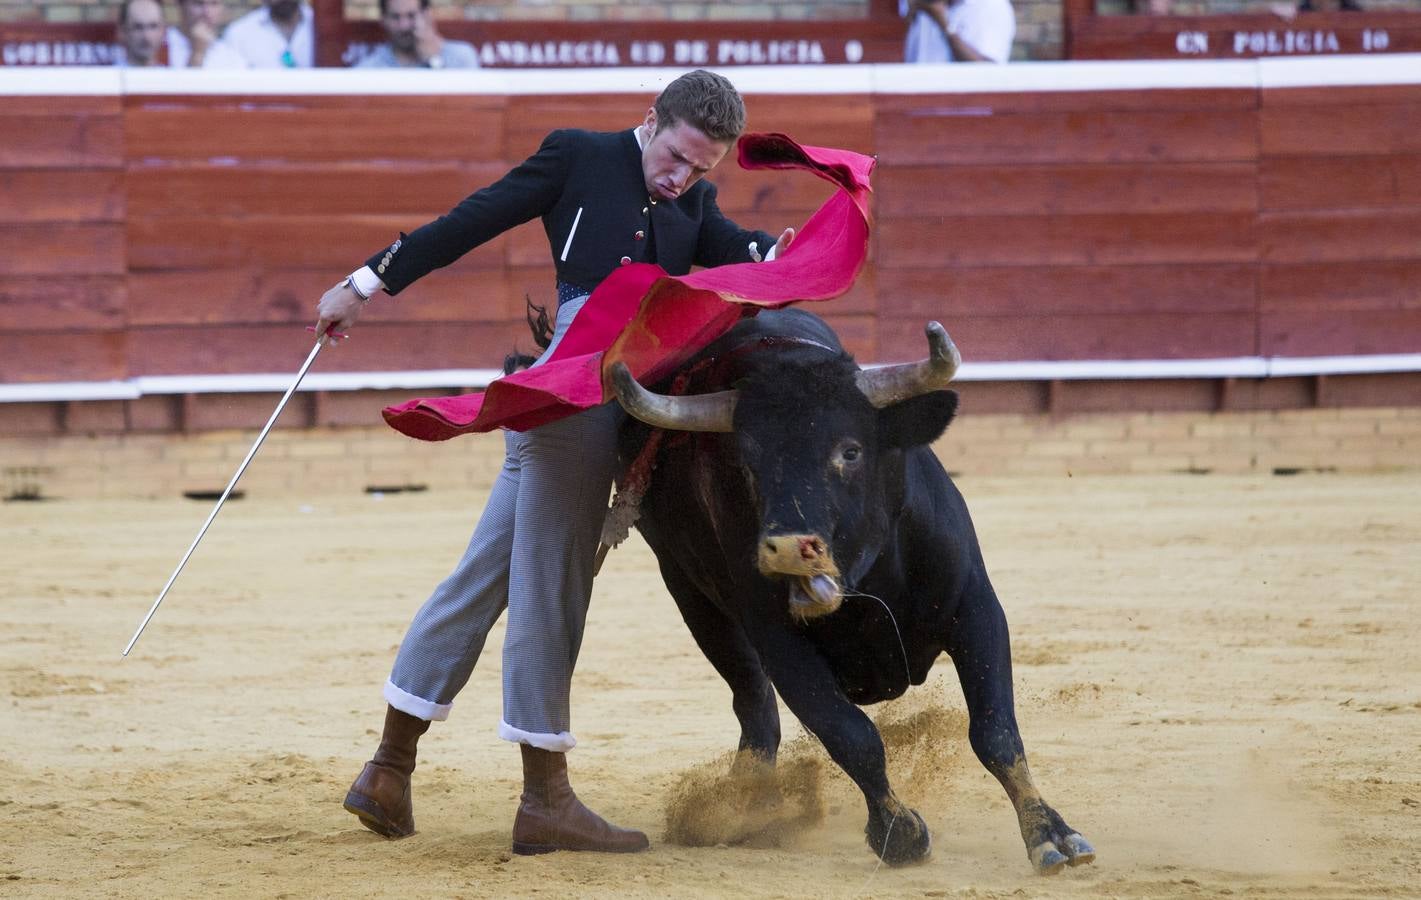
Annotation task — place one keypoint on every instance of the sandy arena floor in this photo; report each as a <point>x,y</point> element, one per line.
<point>1218,680</point>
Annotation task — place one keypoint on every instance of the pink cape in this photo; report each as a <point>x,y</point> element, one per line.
<point>654,322</point>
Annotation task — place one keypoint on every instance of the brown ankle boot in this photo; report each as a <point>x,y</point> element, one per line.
<point>552,818</point>
<point>380,795</point>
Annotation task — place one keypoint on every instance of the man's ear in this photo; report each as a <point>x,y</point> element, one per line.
<point>917,420</point>
<point>650,121</point>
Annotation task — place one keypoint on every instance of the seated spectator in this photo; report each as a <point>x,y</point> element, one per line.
<point>1344,5</point>
<point>412,41</point>
<point>140,30</point>
<point>281,34</point>
<point>1289,12</point>
<point>193,42</point>
<point>958,30</point>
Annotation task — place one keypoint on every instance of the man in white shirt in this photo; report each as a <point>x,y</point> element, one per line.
<point>282,34</point>
<point>958,30</point>
<point>193,42</point>
<point>414,42</point>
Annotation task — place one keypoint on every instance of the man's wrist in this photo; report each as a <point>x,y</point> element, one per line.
<point>355,289</point>
<point>364,283</point>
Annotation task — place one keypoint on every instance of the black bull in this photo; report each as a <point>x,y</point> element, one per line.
<point>816,547</point>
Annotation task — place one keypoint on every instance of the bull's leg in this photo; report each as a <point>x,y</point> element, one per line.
<point>723,642</point>
<point>806,682</point>
<point>981,650</point>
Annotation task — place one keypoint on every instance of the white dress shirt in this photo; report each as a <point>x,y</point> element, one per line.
<point>989,26</point>
<point>219,55</point>
<point>261,45</point>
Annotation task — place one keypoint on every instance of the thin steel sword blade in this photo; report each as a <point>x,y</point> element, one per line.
<point>223,499</point>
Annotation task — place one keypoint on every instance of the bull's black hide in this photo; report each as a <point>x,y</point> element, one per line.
<point>773,539</point>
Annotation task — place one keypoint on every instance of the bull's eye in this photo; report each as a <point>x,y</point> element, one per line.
<point>851,453</point>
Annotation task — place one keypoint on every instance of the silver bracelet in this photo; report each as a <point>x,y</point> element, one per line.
<point>350,283</point>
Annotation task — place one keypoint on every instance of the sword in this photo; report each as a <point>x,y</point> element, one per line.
<point>231,484</point>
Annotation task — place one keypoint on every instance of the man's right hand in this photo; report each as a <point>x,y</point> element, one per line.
<point>428,41</point>
<point>337,310</point>
<point>203,36</point>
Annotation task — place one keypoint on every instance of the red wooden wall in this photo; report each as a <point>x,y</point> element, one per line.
<point>193,233</point>
<point>1071,225</point>
<point>64,308</point>
<point>1339,225</point>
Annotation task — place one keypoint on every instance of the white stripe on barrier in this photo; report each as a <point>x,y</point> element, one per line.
<point>446,379</point>
<point>69,390</point>
<point>1284,366</point>
<point>1115,370</point>
<point>1040,77</point>
<point>61,81</point>
<point>1341,71</point>
<point>316,381</point>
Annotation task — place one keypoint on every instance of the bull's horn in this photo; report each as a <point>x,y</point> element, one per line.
<point>887,385</point>
<point>694,412</point>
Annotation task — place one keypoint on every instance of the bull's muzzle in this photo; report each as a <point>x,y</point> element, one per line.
<point>807,563</point>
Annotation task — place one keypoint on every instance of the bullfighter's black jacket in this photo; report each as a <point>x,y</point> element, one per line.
<point>589,189</point>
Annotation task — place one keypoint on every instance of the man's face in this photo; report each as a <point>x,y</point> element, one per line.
<point>285,10</point>
<point>142,34</point>
<point>201,12</point>
<point>676,157</point>
<point>403,20</point>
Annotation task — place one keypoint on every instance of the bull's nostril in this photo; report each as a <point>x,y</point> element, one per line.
<point>770,545</point>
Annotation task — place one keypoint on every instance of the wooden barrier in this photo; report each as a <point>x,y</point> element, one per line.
<point>173,226</point>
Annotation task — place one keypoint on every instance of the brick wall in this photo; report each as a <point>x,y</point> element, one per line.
<point>1242,442</point>
<point>306,463</point>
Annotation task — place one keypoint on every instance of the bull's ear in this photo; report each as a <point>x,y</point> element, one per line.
<point>917,420</point>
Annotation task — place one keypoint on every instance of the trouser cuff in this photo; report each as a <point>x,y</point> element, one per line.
<point>418,707</point>
<point>561,742</point>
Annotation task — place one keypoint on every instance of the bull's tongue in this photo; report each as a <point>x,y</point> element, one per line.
<point>814,591</point>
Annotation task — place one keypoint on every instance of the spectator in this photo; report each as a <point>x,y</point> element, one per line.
<point>140,31</point>
<point>193,42</point>
<point>1288,12</point>
<point>1343,5</point>
<point>414,42</point>
<point>958,30</point>
<point>282,34</point>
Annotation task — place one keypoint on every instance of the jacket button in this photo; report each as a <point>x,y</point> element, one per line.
<point>640,235</point>
<point>643,210</point>
<point>626,260</point>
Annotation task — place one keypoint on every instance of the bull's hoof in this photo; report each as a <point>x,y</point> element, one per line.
<point>1079,852</point>
<point>899,840</point>
<point>1048,859</point>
